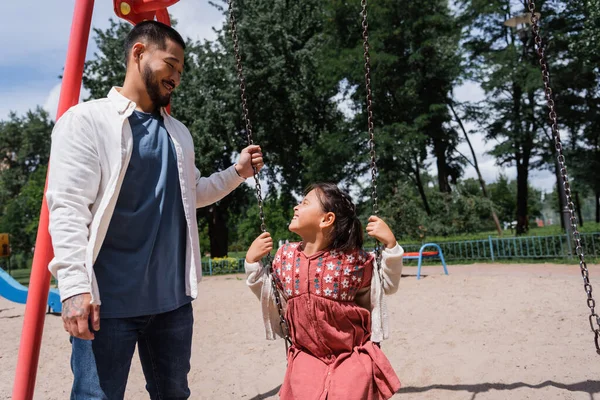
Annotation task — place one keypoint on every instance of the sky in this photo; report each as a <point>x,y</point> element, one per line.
<point>33,58</point>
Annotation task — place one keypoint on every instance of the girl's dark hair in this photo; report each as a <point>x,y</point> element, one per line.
<point>347,234</point>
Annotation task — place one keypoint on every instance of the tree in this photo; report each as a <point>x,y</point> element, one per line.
<point>21,214</point>
<point>278,216</point>
<point>461,212</point>
<point>24,152</point>
<point>579,106</point>
<point>503,194</point>
<point>475,165</point>
<point>504,198</point>
<point>289,94</point>
<point>107,67</point>
<point>415,63</point>
<point>504,62</point>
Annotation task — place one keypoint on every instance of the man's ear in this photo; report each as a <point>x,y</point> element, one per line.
<point>327,220</point>
<point>137,51</point>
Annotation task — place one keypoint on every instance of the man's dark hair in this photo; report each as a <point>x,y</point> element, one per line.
<point>151,32</point>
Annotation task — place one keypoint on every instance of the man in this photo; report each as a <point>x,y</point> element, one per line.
<point>122,195</point>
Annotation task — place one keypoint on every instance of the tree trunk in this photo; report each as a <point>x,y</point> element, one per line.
<point>439,151</point>
<point>521,159</point>
<point>422,190</point>
<point>578,207</point>
<point>522,195</point>
<point>217,232</point>
<point>598,207</point>
<point>476,166</point>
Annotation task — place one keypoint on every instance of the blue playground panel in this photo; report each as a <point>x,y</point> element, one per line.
<point>426,254</point>
<point>12,290</point>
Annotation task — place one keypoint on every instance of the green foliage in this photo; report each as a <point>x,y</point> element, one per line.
<point>415,63</point>
<point>24,152</point>
<point>289,92</point>
<point>581,102</point>
<point>107,68</point>
<point>452,214</point>
<point>503,194</point>
<point>24,146</point>
<point>221,267</point>
<point>300,57</point>
<point>21,214</point>
<point>277,216</point>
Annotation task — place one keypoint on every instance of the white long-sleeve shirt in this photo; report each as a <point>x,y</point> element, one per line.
<point>91,147</point>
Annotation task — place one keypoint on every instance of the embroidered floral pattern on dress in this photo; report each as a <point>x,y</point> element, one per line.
<point>334,275</point>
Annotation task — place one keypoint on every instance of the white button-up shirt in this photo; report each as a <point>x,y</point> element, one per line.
<point>91,147</point>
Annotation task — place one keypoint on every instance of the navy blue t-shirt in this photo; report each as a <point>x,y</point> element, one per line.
<point>141,266</point>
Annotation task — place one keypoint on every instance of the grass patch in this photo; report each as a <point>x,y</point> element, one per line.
<point>22,276</point>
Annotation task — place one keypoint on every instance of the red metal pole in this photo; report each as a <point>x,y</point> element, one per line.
<point>39,284</point>
<point>162,15</point>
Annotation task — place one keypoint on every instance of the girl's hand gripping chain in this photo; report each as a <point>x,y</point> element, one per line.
<point>378,229</point>
<point>261,246</point>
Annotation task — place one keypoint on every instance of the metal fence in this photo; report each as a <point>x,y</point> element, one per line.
<point>211,267</point>
<point>490,249</point>
<point>533,247</point>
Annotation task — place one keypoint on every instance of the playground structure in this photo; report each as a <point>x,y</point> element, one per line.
<point>133,11</point>
<point>136,11</point>
<point>13,291</point>
<point>420,255</point>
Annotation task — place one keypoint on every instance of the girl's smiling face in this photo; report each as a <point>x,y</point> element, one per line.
<point>308,216</point>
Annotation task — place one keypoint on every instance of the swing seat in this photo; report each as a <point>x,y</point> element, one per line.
<point>414,255</point>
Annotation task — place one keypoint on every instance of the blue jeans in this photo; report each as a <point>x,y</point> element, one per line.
<point>101,366</point>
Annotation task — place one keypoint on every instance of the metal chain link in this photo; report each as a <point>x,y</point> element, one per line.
<point>370,125</point>
<point>263,227</point>
<point>594,319</point>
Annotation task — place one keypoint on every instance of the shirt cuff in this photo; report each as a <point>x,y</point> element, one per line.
<point>394,251</point>
<point>236,174</point>
<point>252,266</point>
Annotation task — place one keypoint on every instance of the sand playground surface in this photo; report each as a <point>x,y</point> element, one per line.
<point>486,331</point>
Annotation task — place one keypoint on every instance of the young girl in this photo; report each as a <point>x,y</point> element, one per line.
<point>333,300</point>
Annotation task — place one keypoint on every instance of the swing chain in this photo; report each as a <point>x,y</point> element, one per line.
<point>563,172</point>
<point>246,113</point>
<point>370,125</point>
<point>282,321</point>
<point>263,227</point>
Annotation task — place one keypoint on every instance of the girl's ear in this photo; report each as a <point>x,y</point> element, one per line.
<point>327,220</point>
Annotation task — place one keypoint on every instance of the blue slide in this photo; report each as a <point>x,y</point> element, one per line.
<point>12,290</point>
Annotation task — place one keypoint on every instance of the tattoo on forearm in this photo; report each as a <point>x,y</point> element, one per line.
<point>73,307</point>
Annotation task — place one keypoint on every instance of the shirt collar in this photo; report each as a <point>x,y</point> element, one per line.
<point>124,106</point>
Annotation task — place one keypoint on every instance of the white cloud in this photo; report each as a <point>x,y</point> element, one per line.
<point>34,37</point>
<point>21,99</point>
<point>37,32</point>
<point>51,103</point>
<point>544,180</point>
<point>31,28</point>
<point>469,91</point>
<point>196,19</point>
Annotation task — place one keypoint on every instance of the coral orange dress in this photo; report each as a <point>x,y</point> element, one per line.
<point>332,356</point>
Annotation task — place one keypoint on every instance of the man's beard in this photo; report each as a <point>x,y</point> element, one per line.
<point>153,89</point>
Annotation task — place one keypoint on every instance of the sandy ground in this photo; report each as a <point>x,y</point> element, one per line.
<point>483,332</point>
